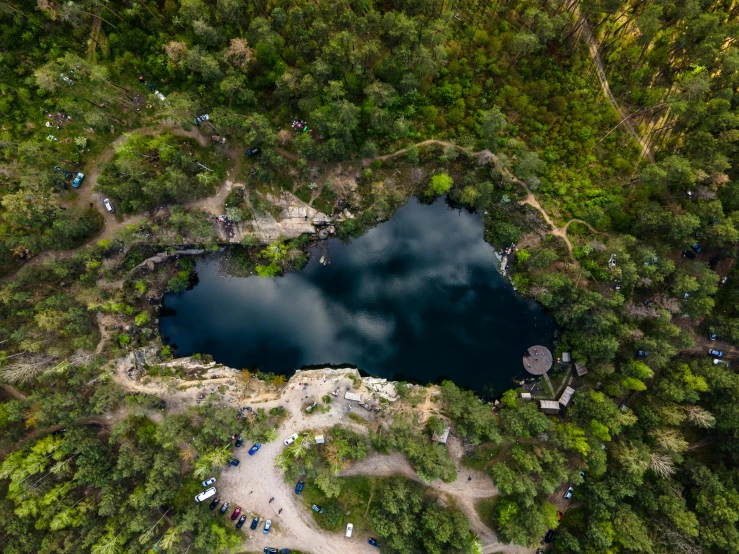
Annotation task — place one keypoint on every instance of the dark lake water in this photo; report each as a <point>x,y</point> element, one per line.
<point>417,296</point>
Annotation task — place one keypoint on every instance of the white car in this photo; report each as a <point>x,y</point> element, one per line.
<point>160,95</point>
<point>206,494</point>
<point>569,493</point>
<point>107,205</point>
<point>202,118</point>
<point>349,529</point>
<point>291,439</point>
<point>209,482</point>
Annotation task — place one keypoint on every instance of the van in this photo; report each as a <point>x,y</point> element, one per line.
<point>206,494</point>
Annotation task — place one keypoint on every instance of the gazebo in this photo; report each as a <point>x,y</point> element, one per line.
<point>537,360</point>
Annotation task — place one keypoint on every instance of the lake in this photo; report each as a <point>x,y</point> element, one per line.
<point>417,297</point>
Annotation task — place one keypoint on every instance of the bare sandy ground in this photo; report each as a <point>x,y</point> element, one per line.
<point>252,483</point>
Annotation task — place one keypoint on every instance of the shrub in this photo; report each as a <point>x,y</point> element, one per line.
<point>440,184</point>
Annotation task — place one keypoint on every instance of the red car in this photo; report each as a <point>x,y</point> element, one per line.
<point>236,513</point>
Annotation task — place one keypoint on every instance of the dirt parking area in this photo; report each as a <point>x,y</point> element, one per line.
<point>255,480</point>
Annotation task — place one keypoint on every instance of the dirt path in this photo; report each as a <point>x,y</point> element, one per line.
<point>112,223</point>
<point>465,493</point>
<point>626,121</point>
<point>14,392</point>
<point>530,198</point>
<point>253,482</point>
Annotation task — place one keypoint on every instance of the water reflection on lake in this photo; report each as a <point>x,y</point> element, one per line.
<point>418,295</point>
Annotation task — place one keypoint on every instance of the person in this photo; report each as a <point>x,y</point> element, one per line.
<point>469,478</point>
<point>271,499</point>
<point>279,511</point>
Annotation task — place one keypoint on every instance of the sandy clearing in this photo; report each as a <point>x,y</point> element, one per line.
<point>252,483</point>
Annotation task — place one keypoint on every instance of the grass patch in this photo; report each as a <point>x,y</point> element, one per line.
<point>485,508</point>
<point>326,201</point>
<point>351,506</point>
<point>357,418</point>
<point>482,457</point>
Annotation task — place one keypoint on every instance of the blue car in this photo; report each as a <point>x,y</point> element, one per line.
<point>373,542</point>
<point>78,180</point>
<point>299,487</point>
<point>253,449</point>
<point>234,462</point>
<point>239,441</point>
<point>697,247</point>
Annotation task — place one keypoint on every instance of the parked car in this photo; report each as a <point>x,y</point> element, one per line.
<point>253,449</point>
<point>309,409</point>
<point>724,279</point>
<point>712,336</point>
<point>299,487</point>
<point>202,118</point>
<point>206,494</point>
<point>253,152</point>
<point>716,361</point>
<point>349,529</point>
<point>317,508</point>
<point>267,526</point>
<point>107,205</point>
<point>78,180</point>
<point>549,536</point>
<point>239,441</point>
<point>160,96</point>
<point>240,524</point>
<point>373,542</point>
<point>688,254</point>
<point>215,503</point>
<point>270,550</point>
<point>234,462</point>
<point>209,482</point>
<point>697,247</point>
<point>569,493</point>
<point>223,508</point>
<point>254,523</point>
<point>236,513</point>
<point>291,439</point>
<point>717,353</point>
<point>66,79</point>
<point>642,353</point>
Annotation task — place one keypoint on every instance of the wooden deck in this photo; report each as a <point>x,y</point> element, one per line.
<point>537,360</point>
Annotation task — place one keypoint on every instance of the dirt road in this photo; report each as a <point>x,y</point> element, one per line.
<point>255,480</point>
<point>114,223</point>
<point>530,198</point>
<point>626,120</point>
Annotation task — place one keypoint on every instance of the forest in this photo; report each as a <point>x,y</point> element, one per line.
<point>642,191</point>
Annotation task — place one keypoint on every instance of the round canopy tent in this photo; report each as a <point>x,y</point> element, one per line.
<point>537,360</point>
